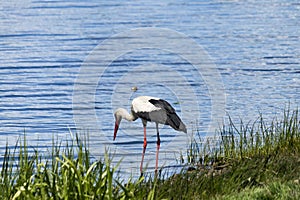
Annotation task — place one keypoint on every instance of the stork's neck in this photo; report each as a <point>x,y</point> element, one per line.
<point>124,114</point>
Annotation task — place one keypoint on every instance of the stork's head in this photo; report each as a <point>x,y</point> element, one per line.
<point>118,118</point>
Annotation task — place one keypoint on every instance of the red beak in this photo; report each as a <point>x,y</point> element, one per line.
<point>116,130</point>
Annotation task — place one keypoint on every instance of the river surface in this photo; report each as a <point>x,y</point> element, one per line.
<point>65,66</point>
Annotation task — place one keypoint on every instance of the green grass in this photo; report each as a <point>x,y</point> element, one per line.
<point>68,174</point>
<point>274,190</point>
<point>251,161</point>
<point>248,161</point>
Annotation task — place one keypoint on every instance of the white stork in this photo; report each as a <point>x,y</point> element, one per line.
<point>150,109</point>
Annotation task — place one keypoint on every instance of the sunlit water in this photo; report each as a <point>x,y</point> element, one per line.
<point>44,44</point>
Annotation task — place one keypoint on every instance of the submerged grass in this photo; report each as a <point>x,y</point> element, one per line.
<point>250,161</point>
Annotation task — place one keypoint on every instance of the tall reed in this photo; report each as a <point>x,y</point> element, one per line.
<point>246,158</point>
<point>68,173</point>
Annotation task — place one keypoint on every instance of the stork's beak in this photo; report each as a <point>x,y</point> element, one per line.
<point>116,130</point>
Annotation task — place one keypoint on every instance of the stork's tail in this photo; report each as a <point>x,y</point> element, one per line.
<point>175,122</point>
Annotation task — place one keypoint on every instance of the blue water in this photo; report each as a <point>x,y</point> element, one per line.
<point>45,45</point>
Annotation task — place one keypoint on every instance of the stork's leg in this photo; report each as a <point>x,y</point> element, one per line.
<point>157,148</point>
<point>144,149</point>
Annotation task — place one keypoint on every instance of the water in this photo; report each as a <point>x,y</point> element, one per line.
<point>254,46</point>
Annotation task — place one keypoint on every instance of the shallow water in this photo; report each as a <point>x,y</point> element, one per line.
<point>252,48</point>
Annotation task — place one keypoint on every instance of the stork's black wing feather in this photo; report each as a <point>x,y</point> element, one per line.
<point>172,118</point>
<point>160,103</point>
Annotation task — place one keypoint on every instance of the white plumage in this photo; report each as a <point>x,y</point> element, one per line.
<point>142,104</point>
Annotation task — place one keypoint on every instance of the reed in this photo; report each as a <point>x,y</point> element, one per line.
<point>67,174</point>
<point>248,161</point>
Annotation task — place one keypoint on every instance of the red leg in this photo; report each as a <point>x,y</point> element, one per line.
<point>157,149</point>
<point>144,149</point>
